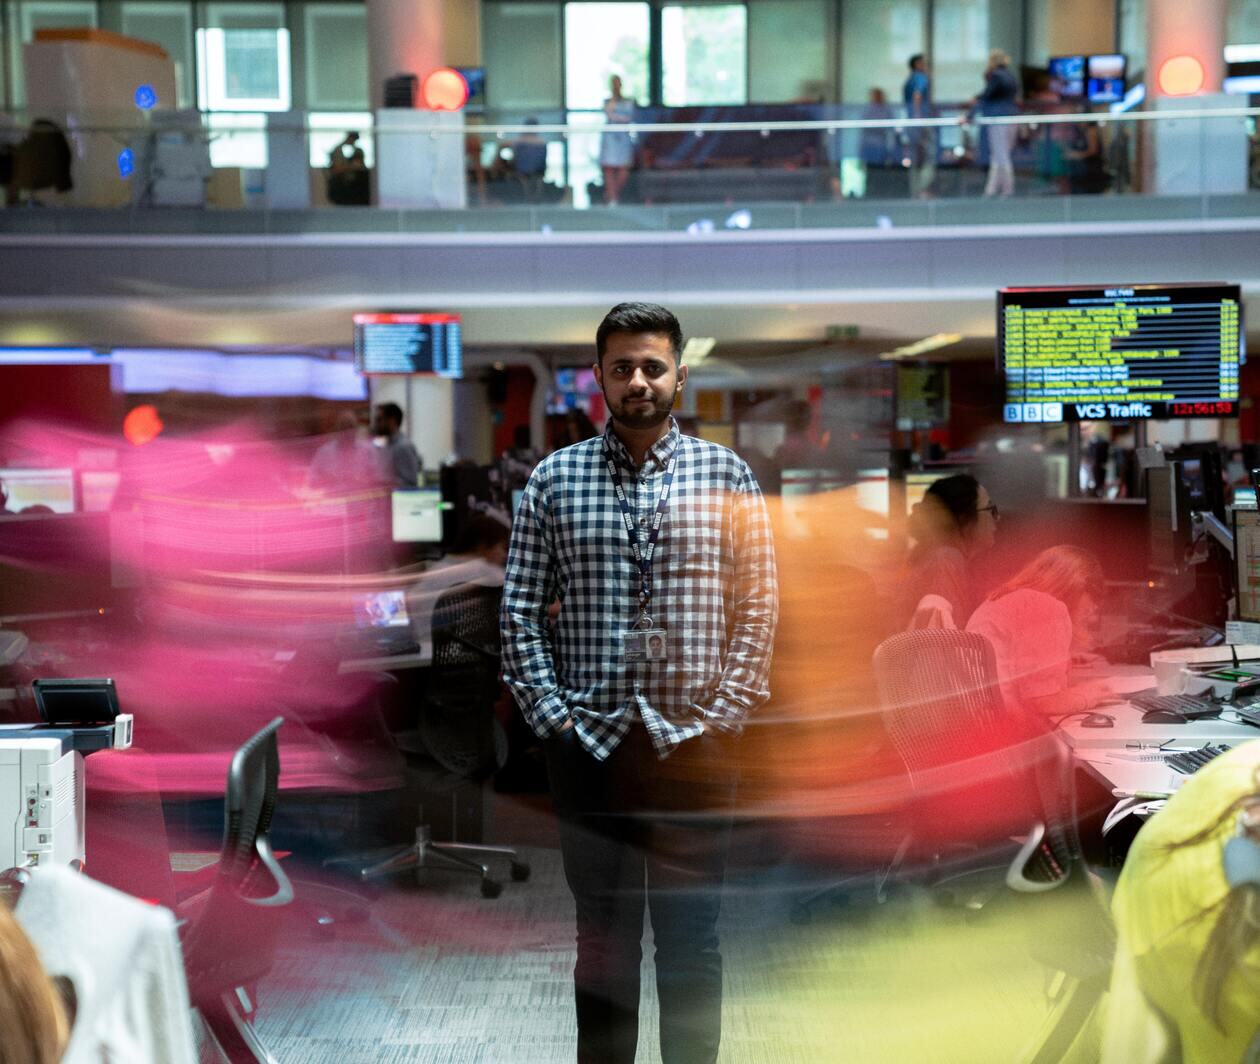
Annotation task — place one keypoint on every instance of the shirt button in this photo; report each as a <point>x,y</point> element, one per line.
<point>643,520</point>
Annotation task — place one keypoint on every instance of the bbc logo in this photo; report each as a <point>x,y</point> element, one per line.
<point>1030,413</point>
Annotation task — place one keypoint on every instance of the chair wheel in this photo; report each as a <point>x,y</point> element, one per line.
<point>491,888</point>
<point>520,871</point>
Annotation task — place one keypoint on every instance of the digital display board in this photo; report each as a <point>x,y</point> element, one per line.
<point>1067,76</point>
<point>1120,353</point>
<point>408,343</point>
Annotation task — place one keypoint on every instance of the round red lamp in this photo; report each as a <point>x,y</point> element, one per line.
<point>444,90</point>
<point>1182,75</point>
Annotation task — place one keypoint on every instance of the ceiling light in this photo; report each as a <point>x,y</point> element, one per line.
<point>921,347</point>
<point>697,349</point>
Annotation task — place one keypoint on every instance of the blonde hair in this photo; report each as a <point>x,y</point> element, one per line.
<point>997,57</point>
<point>33,1027</point>
<point>1063,572</point>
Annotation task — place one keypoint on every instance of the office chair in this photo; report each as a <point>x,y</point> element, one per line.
<point>457,739</point>
<point>229,931</point>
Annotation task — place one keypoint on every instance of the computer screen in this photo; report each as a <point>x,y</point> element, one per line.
<point>1120,353</point>
<point>417,515</point>
<point>53,488</point>
<point>1247,564</point>
<point>1104,78</point>
<point>1067,76</point>
<point>408,344</point>
<point>383,609</point>
<point>475,79</point>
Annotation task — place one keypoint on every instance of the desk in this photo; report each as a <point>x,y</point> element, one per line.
<point>421,659</point>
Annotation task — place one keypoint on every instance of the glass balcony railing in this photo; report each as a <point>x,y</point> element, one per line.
<point>782,166</point>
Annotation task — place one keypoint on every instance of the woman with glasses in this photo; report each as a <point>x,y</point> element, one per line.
<point>954,523</point>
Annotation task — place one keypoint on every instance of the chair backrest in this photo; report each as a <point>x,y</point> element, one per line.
<point>230,940</point>
<point>466,626</point>
<point>944,712</point>
<point>938,690</point>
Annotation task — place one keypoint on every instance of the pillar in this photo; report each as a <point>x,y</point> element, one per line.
<point>1174,27</point>
<point>404,37</point>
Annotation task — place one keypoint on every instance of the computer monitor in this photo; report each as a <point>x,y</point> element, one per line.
<point>417,515</point>
<point>382,609</point>
<point>1202,475</point>
<point>53,488</point>
<point>1104,78</point>
<point>1247,564</point>
<point>1120,353</point>
<point>411,344</point>
<point>1067,76</point>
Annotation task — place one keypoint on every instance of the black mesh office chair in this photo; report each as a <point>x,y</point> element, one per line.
<point>939,692</point>
<point>229,931</point>
<point>457,738</point>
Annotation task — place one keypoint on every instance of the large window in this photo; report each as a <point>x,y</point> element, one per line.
<point>878,37</point>
<point>960,33</point>
<point>170,25</point>
<point>42,15</point>
<point>520,46</point>
<point>243,58</point>
<point>790,50</point>
<point>336,56</point>
<point>600,40</point>
<point>704,53</point>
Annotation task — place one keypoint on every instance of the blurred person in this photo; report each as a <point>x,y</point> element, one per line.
<point>616,149</point>
<point>1087,169</point>
<point>403,461</point>
<point>1187,914</point>
<point>953,523</point>
<point>348,460</point>
<point>996,100</point>
<point>348,179</point>
<point>33,1022</point>
<point>1037,621</point>
<point>916,93</point>
<point>529,160</point>
<point>642,533</point>
<point>798,450</point>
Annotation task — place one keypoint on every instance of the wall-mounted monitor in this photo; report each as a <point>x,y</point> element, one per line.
<point>1120,353</point>
<point>389,343</point>
<point>475,79</point>
<point>1104,78</point>
<point>1067,76</point>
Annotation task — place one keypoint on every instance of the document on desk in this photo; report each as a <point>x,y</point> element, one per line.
<point>1138,775</point>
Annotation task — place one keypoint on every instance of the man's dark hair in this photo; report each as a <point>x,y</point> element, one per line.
<point>392,411</point>
<point>639,318</point>
<point>914,59</point>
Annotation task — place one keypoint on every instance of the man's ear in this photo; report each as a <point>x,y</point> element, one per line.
<point>682,377</point>
<point>599,375</point>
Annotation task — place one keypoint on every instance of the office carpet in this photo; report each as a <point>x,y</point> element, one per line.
<point>435,973</point>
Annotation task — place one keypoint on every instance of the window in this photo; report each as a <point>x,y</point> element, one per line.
<point>328,129</point>
<point>169,25</point>
<point>704,54</point>
<point>336,56</point>
<point>960,32</point>
<point>601,40</point>
<point>790,50</point>
<point>878,38</point>
<point>521,49</point>
<point>243,58</point>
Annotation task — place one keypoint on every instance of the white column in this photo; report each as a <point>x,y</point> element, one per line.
<point>1174,27</point>
<point>428,405</point>
<point>404,37</point>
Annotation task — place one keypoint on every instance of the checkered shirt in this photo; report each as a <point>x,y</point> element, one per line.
<point>714,591</point>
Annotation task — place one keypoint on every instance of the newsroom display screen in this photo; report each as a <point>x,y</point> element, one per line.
<point>408,343</point>
<point>1120,353</point>
<point>1104,78</point>
<point>1067,76</point>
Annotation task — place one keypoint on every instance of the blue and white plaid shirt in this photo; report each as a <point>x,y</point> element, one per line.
<point>714,592</point>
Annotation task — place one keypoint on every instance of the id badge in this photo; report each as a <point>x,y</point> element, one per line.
<point>645,642</point>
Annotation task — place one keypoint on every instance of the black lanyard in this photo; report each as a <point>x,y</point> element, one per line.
<point>642,554</point>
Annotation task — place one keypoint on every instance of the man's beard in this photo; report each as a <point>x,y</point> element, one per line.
<point>635,416</point>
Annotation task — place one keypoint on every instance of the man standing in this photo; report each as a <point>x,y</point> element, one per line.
<point>402,461</point>
<point>920,140</point>
<point>657,548</point>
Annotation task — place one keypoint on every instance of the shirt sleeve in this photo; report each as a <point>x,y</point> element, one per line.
<point>407,464</point>
<point>529,587</point>
<point>745,685</point>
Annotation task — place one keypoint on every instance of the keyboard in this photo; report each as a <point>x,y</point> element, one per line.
<point>1186,705</point>
<point>1188,762</point>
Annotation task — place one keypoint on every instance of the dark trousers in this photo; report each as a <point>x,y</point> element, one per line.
<point>633,827</point>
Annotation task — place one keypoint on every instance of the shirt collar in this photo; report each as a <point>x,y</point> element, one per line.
<point>659,453</point>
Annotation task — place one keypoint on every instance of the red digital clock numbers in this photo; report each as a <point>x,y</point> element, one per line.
<point>1217,409</point>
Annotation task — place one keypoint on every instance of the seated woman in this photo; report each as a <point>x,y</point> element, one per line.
<point>955,521</point>
<point>1036,621</point>
<point>1187,912</point>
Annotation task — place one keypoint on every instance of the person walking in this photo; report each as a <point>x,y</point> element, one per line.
<point>656,547</point>
<point>998,100</point>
